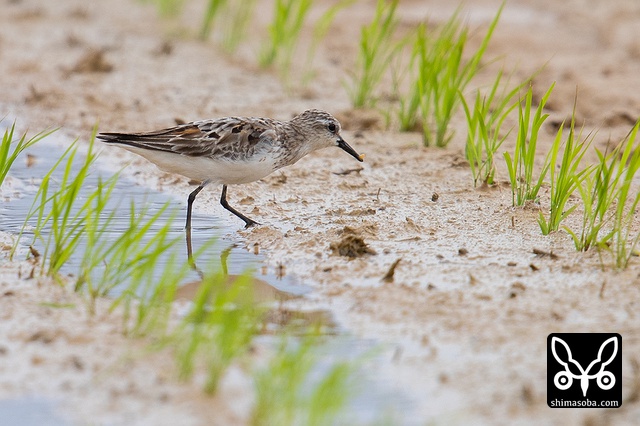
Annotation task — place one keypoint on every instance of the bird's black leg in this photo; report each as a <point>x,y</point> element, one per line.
<point>223,201</point>
<point>190,201</point>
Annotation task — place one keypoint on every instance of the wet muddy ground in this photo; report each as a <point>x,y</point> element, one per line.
<point>462,320</point>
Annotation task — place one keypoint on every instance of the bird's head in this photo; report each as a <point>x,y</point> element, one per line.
<point>323,131</point>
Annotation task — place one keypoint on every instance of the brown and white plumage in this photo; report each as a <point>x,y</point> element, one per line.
<point>233,150</point>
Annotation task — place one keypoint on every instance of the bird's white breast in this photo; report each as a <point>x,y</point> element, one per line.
<point>220,171</point>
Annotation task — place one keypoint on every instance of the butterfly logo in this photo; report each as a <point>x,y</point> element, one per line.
<point>564,379</point>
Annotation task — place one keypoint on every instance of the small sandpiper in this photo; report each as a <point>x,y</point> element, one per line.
<point>233,150</point>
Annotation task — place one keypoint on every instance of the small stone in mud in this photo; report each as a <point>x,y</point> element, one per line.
<point>361,212</point>
<point>93,61</point>
<point>247,200</point>
<point>463,251</point>
<point>31,160</point>
<point>528,395</point>
<point>543,253</point>
<point>37,360</point>
<point>77,363</point>
<point>517,289</point>
<point>45,337</point>
<point>351,246</point>
<point>165,49</point>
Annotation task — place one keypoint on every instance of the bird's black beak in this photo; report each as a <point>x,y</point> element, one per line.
<point>347,148</point>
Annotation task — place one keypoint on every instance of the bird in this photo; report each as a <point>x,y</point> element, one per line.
<point>233,150</point>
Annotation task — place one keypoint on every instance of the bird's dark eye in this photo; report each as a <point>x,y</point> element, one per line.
<point>331,127</point>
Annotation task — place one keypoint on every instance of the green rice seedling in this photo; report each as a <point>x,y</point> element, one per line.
<point>167,8</point>
<point>238,15</point>
<point>132,257</point>
<point>565,179</point>
<point>8,156</point>
<point>64,211</point>
<point>67,226</point>
<point>154,305</point>
<point>441,75</point>
<point>408,105</point>
<point>623,238</point>
<point>438,63</point>
<point>284,32</point>
<point>38,209</point>
<point>148,300</point>
<point>218,328</point>
<point>521,165</point>
<point>213,8</point>
<point>287,393</point>
<point>597,196</point>
<point>94,226</point>
<point>598,192</point>
<point>376,53</point>
<point>121,255</point>
<point>484,136</point>
<point>55,305</point>
<point>232,19</point>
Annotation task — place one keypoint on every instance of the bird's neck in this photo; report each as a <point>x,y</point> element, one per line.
<point>296,145</point>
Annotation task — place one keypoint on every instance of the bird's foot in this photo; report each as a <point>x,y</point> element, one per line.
<point>248,223</point>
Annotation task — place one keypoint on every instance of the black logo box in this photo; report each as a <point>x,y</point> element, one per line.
<point>584,370</point>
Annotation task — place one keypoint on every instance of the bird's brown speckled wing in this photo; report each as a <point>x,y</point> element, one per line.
<point>230,138</point>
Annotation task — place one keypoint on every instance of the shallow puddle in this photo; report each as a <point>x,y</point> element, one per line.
<point>22,186</point>
<point>30,412</point>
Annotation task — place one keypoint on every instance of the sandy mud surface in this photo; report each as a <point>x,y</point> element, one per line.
<point>465,318</point>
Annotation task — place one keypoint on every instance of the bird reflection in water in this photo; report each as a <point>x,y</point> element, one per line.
<point>264,294</point>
